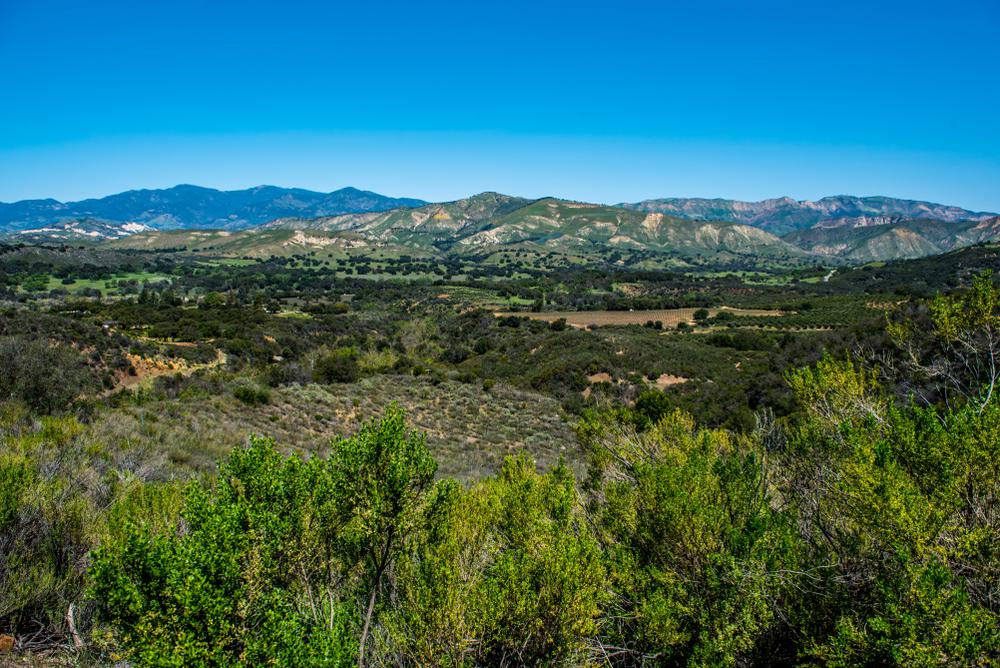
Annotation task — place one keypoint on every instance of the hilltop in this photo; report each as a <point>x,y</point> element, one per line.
<point>784,214</point>
<point>491,221</point>
<point>897,240</point>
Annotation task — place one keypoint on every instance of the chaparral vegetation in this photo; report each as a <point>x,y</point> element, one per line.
<point>334,459</point>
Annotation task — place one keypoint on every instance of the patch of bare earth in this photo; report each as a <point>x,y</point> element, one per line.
<point>669,317</point>
<point>884,306</point>
<point>666,380</point>
<point>148,368</point>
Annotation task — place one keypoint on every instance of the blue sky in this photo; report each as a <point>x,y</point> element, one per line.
<point>607,102</point>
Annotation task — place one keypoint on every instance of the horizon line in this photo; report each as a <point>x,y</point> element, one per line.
<point>482,192</point>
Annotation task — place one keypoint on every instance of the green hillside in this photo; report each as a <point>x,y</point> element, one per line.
<point>505,228</point>
<point>489,222</point>
<point>562,224</point>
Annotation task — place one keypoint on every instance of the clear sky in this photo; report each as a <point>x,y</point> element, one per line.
<point>601,101</point>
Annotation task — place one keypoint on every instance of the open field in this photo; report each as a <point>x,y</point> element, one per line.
<point>669,317</point>
<point>106,284</point>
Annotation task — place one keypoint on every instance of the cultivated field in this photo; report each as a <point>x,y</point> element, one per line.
<point>669,317</point>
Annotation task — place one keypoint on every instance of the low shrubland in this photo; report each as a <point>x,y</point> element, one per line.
<point>270,462</point>
<point>859,529</point>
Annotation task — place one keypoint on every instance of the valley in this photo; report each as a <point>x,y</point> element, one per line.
<point>500,334</point>
<point>613,375</point>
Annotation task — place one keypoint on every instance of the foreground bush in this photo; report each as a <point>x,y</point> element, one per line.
<point>322,561</point>
<point>281,560</point>
<point>59,499</point>
<point>691,541</point>
<point>860,530</point>
<point>505,573</point>
<point>46,377</point>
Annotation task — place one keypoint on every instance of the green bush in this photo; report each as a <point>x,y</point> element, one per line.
<point>339,366</point>
<point>227,589</point>
<point>689,535</point>
<point>537,587</point>
<point>280,562</point>
<point>251,393</point>
<point>46,377</point>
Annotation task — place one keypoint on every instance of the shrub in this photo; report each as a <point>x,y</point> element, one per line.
<point>339,366</point>
<point>46,377</point>
<point>251,393</point>
<point>650,407</point>
<point>689,535</point>
<point>285,373</point>
<point>537,587</point>
<point>724,316</point>
<point>221,593</point>
<point>48,524</point>
<point>279,562</point>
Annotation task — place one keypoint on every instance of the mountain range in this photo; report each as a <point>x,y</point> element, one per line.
<point>895,240</point>
<point>784,215</point>
<point>194,207</point>
<point>852,229</point>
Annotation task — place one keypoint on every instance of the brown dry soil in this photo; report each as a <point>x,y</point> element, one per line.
<point>669,317</point>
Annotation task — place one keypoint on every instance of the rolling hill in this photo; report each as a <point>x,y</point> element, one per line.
<point>491,220</point>
<point>579,226</point>
<point>76,230</point>
<point>428,225</point>
<point>250,243</point>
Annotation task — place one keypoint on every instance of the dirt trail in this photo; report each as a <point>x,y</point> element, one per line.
<point>669,317</point>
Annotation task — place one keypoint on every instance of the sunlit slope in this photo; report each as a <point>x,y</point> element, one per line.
<point>491,220</point>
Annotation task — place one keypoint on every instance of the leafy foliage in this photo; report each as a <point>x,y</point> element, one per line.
<point>788,503</point>
<point>47,378</point>
<point>339,366</point>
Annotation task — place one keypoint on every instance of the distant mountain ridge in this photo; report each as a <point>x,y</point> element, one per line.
<point>81,229</point>
<point>783,215</point>
<point>845,228</point>
<point>194,207</point>
<point>905,239</point>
